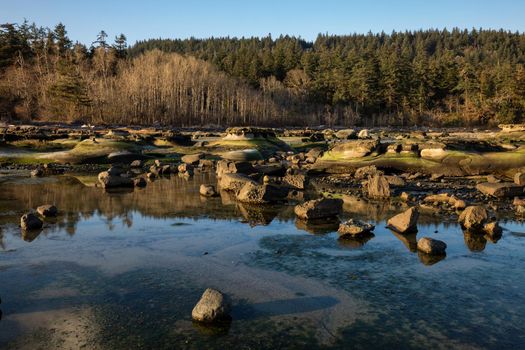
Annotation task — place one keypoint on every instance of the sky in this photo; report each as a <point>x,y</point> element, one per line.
<point>305,18</point>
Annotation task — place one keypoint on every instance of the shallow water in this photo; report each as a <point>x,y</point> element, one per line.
<point>124,270</point>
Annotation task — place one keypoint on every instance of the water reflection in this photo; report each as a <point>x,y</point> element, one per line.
<point>317,227</point>
<point>355,242</point>
<point>408,239</point>
<point>430,259</point>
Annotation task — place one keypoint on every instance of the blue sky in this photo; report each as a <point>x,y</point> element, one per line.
<point>305,18</point>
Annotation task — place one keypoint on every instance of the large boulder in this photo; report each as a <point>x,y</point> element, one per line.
<point>500,190</point>
<point>353,228</point>
<point>213,306</point>
<point>354,149</point>
<point>47,210</point>
<point>114,181</point>
<point>225,166</point>
<point>253,193</point>
<point>474,217</point>
<point>405,222</point>
<point>345,134</point>
<point>378,187</point>
<point>30,221</point>
<point>319,209</point>
<point>431,246</point>
<point>233,182</point>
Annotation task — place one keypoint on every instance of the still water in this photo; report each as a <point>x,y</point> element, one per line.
<point>124,270</point>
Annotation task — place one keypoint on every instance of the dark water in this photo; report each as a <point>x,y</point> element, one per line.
<point>124,270</point>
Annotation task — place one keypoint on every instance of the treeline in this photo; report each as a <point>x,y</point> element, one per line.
<point>431,77</point>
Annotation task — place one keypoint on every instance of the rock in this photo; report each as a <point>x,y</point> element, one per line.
<point>113,181</point>
<point>115,170</point>
<point>37,172</point>
<point>431,246</point>
<point>355,228</point>
<point>436,177</point>
<point>519,179</point>
<point>151,176</point>
<point>518,201</point>
<point>121,157</point>
<point>378,187</point>
<point>319,209</point>
<point>225,166</point>
<point>208,190</point>
<point>404,222</point>
<point>185,168</point>
<point>139,182</point>
<point>500,190</point>
<point>30,221</point>
<point>297,181</point>
<point>473,217</point>
<point>47,210</point>
<point>158,162</point>
<point>137,163</point>
<point>315,152</point>
<point>458,203</point>
<point>395,180</point>
<point>192,159</point>
<point>493,179</point>
<point>345,134</point>
<point>520,210</point>
<point>493,229</point>
<point>405,197</point>
<point>354,149</point>
<point>213,306</point>
<point>253,193</point>
<point>366,171</point>
<point>233,182</point>
<point>363,134</point>
<point>441,198</point>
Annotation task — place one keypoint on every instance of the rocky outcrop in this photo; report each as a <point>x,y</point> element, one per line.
<point>405,222</point>
<point>354,149</point>
<point>319,209</point>
<point>366,171</point>
<point>213,306</point>
<point>295,181</point>
<point>192,159</point>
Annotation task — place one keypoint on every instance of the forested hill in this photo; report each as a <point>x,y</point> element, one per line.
<point>433,77</point>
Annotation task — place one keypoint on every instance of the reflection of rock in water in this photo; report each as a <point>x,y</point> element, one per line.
<point>494,238</point>
<point>258,214</point>
<point>408,239</point>
<point>430,259</point>
<point>355,242</point>
<point>30,235</point>
<point>318,226</point>
<point>213,329</point>
<point>227,198</point>
<point>474,241</point>
<point>376,211</point>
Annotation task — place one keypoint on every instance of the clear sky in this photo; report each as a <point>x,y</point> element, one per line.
<point>306,18</point>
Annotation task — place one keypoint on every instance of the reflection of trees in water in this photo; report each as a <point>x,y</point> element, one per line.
<point>164,198</point>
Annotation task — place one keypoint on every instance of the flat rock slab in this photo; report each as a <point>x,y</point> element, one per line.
<point>500,190</point>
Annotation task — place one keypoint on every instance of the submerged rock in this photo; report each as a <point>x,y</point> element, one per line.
<point>404,222</point>
<point>319,209</point>
<point>354,227</point>
<point>30,221</point>
<point>431,246</point>
<point>47,210</point>
<point>213,306</point>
